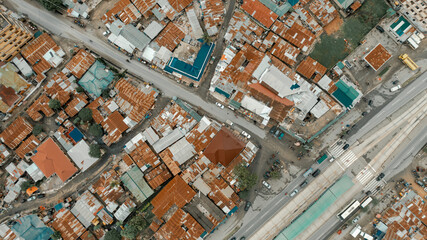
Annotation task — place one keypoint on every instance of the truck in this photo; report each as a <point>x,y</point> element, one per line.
<point>307,173</point>
<point>322,158</point>
<point>408,61</point>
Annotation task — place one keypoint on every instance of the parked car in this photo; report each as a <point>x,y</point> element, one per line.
<point>364,113</point>
<point>346,146</point>
<point>233,238</point>
<point>273,129</point>
<point>293,193</point>
<point>380,29</point>
<point>246,134</point>
<point>219,105</point>
<point>356,219</point>
<point>348,64</point>
<point>331,159</point>
<point>303,184</point>
<point>370,102</point>
<point>395,88</point>
<point>420,183</point>
<point>231,108</point>
<point>266,184</point>
<point>31,198</point>
<point>281,136</point>
<point>42,195</point>
<point>247,205</point>
<point>380,176</point>
<point>267,175</point>
<point>316,173</point>
<point>242,238</point>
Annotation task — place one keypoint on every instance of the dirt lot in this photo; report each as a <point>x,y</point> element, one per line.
<point>333,26</point>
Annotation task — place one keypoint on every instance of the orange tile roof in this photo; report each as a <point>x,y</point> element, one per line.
<point>260,12</point>
<point>41,104</point>
<point>176,192</point>
<point>323,10</point>
<point>67,224</point>
<point>285,52</point>
<point>280,106</point>
<point>158,176</point>
<point>224,147</point>
<point>377,57</point>
<point>103,188</point>
<point>34,51</point>
<point>17,131</point>
<point>310,67</point>
<point>125,10</point>
<point>173,166</point>
<point>244,28</point>
<point>27,146</point>
<point>170,36</point>
<point>51,159</point>
<point>59,87</point>
<point>114,126</point>
<point>133,101</point>
<point>80,63</point>
<point>142,155</point>
<point>77,104</point>
<point>181,225</point>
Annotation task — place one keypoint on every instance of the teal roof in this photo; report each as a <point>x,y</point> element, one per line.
<point>340,65</point>
<point>134,181</point>
<point>188,109</point>
<point>346,3</point>
<point>96,79</point>
<point>235,104</point>
<point>31,228</point>
<point>316,209</point>
<point>345,94</point>
<point>279,10</point>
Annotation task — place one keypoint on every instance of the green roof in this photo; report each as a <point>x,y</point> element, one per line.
<point>345,94</point>
<point>279,10</point>
<point>134,181</point>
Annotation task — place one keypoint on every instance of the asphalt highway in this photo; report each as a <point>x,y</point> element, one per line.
<point>57,25</point>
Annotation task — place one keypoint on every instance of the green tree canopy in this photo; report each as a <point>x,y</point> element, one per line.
<point>37,129</point>
<point>25,185</point>
<point>85,114</point>
<point>246,178</point>
<point>105,93</point>
<point>94,150</point>
<point>56,235</point>
<point>54,104</point>
<point>51,5</point>
<point>79,89</point>
<point>113,234</point>
<point>96,130</point>
<point>130,232</point>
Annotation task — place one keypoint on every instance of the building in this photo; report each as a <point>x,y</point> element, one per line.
<point>16,132</point>
<point>377,57</point>
<point>243,29</point>
<point>181,225</point>
<point>51,160</point>
<point>30,227</point>
<point>324,11</point>
<point>114,126</point>
<point>141,153</point>
<point>14,36</point>
<point>80,156</point>
<point>311,69</point>
<point>78,103</point>
<point>68,225</point>
<point>416,12</point>
<point>124,210</point>
<point>6,233</point>
<point>42,54</point>
<point>80,63</point>
<point>213,15</point>
<point>27,146</point>
<point>96,79</point>
<point>86,208</point>
<point>134,181</point>
<point>60,87</point>
<point>124,10</point>
<point>224,147</point>
<point>12,87</point>
<point>127,37</point>
<point>260,12</point>
<point>108,188</point>
<point>40,105</point>
<point>169,37</point>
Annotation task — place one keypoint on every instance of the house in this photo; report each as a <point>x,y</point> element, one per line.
<point>78,103</point>
<point>260,12</point>
<point>114,126</point>
<point>80,63</point>
<point>377,57</point>
<point>134,181</point>
<point>96,79</point>
<point>141,154</point>
<point>12,87</point>
<point>16,132</point>
<point>27,146</point>
<point>14,35</point>
<point>122,9</point>
<point>124,210</point>
<point>169,37</point>
<point>40,105</point>
<point>311,69</point>
<point>79,153</point>
<point>108,188</point>
<point>67,224</point>
<point>50,159</point>
<point>86,208</point>
<point>224,147</point>
<point>30,227</point>
<point>61,86</point>
<point>6,233</point>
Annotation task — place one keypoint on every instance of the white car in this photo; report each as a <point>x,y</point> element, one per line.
<point>393,89</point>
<point>294,193</point>
<point>266,184</point>
<point>246,134</point>
<point>219,105</point>
<point>356,219</point>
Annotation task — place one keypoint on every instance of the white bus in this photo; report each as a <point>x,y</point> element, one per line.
<point>366,202</point>
<point>348,210</point>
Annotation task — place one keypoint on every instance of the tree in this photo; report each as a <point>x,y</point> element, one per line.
<point>96,130</point>
<point>105,93</point>
<point>25,185</point>
<point>207,39</point>
<point>94,150</point>
<point>276,174</point>
<point>37,129</point>
<point>130,232</point>
<point>114,184</point>
<point>113,234</point>
<point>138,222</point>
<point>51,5</point>
<point>54,104</point>
<point>56,235</point>
<point>85,114</point>
<point>246,178</point>
<point>79,89</point>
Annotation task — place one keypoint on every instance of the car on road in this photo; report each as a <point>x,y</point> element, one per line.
<point>303,184</point>
<point>380,29</point>
<point>380,176</point>
<point>370,102</point>
<point>233,238</point>
<point>293,193</point>
<point>41,195</point>
<point>242,238</point>
<point>332,159</point>
<point>316,173</point>
<point>246,134</point>
<point>266,184</point>
<point>395,88</point>
<point>364,113</point>
<point>219,105</point>
<point>247,205</point>
<point>346,146</point>
<point>356,219</point>
<point>267,175</point>
<point>231,108</point>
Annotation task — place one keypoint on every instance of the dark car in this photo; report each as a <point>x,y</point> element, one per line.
<point>364,113</point>
<point>242,238</point>
<point>247,205</point>
<point>303,184</point>
<point>346,146</point>
<point>42,195</point>
<point>273,129</point>
<point>380,176</point>
<point>370,103</point>
<point>316,173</point>
<point>380,29</point>
<point>233,238</point>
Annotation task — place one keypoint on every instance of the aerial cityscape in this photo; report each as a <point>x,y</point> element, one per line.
<point>213,119</point>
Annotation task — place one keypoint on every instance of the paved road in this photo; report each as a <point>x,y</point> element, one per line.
<point>61,27</point>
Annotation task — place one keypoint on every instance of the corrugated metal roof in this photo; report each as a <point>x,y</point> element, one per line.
<point>133,179</point>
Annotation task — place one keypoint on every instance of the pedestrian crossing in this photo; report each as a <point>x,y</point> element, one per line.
<point>374,186</point>
<point>348,158</point>
<point>364,175</point>
<point>336,149</point>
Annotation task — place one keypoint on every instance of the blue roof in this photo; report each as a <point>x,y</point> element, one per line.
<point>293,2</point>
<point>404,24</point>
<point>345,94</point>
<point>96,79</point>
<point>196,70</point>
<point>76,135</point>
<point>31,228</point>
<point>59,206</point>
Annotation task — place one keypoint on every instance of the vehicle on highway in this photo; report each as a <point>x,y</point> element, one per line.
<point>346,146</point>
<point>364,113</point>
<point>303,184</point>
<point>370,102</point>
<point>380,29</point>
<point>42,195</point>
<point>246,134</point>
<point>395,88</point>
<point>266,184</point>
<point>348,210</point>
<point>242,238</point>
<point>233,238</point>
<point>247,205</point>
<point>293,193</point>
<point>355,219</point>
<point>281,136</point>
<point>229,122</point>
<point>380,176</point>
<point>332,159</point>
<point>219,105</point>
<point>310,170</point>
<point>316,173</point>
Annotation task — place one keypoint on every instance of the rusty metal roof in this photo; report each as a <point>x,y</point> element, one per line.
<point>243,29</point>
<point>224,147</point>
<point>27,146</point>
<point>377,56</point>
<point>114,126</point>
<point>170,36</point>
<point>59,87</point>
<point>285,52</point>
<point>310,68</point>
<point>67,224</point>
<point>40,105</point>
<point>17,131</point>
<point>108,188</point>
<point>181,225</point>
<point>77,104</point>
<point>158,176</point>
<point>125,10</point>
<point>323,10</point>
<point>80,63</point>
<point>260,12</point>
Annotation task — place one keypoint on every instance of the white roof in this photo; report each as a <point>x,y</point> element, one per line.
<point>150,135</point>
<point>182,151</point>
<point>113,106</point>
<point>23,66</point>
<point>153,29</point>
<point>124,210</point>
<point>35,173</point>
<point>85,212</point>
<point>324,82</point>
<point>194,22</point>
<point>278,81</point>
<point>148,54</point>
<point>54,58</point>
<point>80,155</point>
<point>256,107</point>
<point>121,42</point>
<point>319,109</point>
<point>264,65</point>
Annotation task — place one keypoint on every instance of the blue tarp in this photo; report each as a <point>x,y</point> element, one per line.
<point>196,70</point>
<point>58,206</point>
<point>76,135</point>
